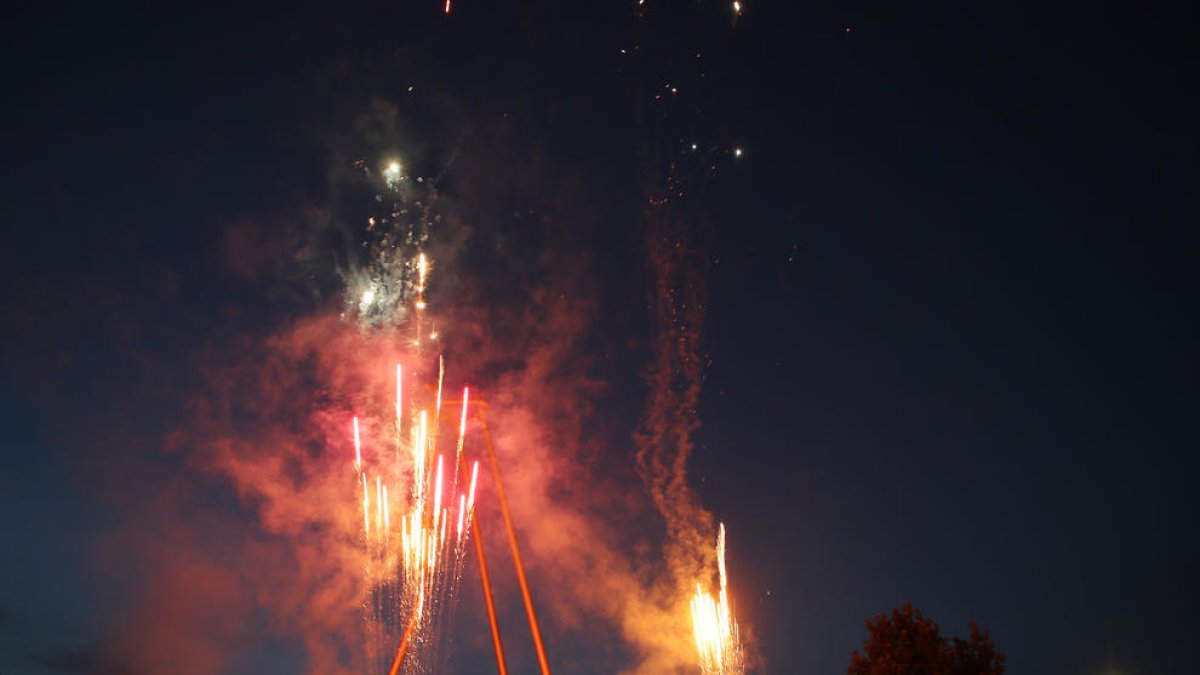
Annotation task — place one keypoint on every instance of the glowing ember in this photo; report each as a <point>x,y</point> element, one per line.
<point>717,642</point>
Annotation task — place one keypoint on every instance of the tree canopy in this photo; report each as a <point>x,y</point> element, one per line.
<point>906,643</point>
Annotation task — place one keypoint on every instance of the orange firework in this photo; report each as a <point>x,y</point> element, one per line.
<point>716,631</point>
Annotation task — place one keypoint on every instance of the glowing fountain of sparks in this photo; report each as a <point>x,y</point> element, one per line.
<point>413,562</point>
<point>716,631</point>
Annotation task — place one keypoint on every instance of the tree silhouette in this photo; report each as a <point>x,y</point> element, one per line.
<point>907,643</point>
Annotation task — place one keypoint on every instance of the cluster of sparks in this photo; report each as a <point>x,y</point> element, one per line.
<point>386,283</point>
<point>415,557</point>
<point>715,630</point>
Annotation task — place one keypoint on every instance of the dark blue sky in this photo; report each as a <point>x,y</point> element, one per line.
<point>952,285</point>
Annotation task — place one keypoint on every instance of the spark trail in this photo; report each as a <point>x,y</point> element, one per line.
<point>413,563</point>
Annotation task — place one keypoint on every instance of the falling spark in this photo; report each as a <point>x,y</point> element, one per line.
<point>462,509</point>
<point>357,447</point>
<point>471,492</point>
<point>462,425</point>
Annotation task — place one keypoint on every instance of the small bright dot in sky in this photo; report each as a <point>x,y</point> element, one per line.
<point>737,7</point>
<point>737,152</point>
<point>693,146</point>
<point>368,296</point>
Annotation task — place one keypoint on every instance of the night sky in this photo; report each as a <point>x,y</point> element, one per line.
<point>950,292</point>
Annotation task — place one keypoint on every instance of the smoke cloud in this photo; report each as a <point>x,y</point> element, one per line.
<point>244,528</point>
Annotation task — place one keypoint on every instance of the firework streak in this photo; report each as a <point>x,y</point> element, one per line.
<point>415,559</point>
<point>716,631</point>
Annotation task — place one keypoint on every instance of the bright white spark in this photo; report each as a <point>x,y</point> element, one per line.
<point>391,174</point>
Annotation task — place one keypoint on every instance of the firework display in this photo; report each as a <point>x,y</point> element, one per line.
<point>415,556</point>
<point>415,559</point>
<point>405,338</point>
<point>717,642</point>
